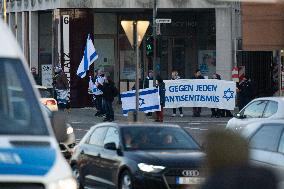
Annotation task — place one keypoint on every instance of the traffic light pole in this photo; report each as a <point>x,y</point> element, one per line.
<point>136,48</point>
<point>154,42</point>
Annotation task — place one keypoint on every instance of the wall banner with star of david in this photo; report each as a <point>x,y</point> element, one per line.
<point>208,93</point>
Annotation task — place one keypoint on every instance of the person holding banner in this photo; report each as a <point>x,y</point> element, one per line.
<point>162,93</point>
<point>216,112</point>
<point>175,76</point>
<point>197,110</point>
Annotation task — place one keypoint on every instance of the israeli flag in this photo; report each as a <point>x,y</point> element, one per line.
<point>149,101</point>
<point>90,55</point>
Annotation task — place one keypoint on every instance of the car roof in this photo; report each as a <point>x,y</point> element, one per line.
<point>278,99</point>
<point>252,127</point>
<point>10,49</point>
<point>125,125</point>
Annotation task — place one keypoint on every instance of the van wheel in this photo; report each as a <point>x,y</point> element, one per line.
<point>125,180</point>
<point>76,174</point>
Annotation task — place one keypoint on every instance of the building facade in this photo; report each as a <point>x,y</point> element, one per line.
<point>263,45</point>
<point>53,32</point>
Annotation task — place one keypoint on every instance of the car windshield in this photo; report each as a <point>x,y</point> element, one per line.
<point>44,93</point>
<point>20,113</point>
<point>157,138</point>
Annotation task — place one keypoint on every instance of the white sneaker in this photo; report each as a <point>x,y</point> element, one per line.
<point>174,115</point>
<point>181,115</point>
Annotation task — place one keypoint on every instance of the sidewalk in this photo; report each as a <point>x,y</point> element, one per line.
<point>87,116</point>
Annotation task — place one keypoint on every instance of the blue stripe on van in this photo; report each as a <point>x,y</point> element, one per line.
<point>33,161</point>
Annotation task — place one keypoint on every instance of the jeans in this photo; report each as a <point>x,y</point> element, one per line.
<point>109,109</point>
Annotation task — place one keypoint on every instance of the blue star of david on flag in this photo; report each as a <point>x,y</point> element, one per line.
<point>228,94</point>
<point>141,101</point>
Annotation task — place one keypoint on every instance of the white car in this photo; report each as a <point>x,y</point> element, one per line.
<point>46,98</point>
<point>68,145</point>
<point>259,109</point>
<point>266,141</point>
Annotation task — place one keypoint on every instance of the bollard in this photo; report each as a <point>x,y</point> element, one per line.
<point>140,117</point>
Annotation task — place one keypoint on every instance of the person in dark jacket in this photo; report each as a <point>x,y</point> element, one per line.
<point>228,164</point>
<point>216,112</point>
<point>162,93</point>
<point>148,78</point>
<point>245,92</point>
<point>61,85</point>
<point>197,110</point>
<point>109,92</point>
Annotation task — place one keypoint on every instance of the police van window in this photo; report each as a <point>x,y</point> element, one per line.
<point>267,138</point>
<point>20,113</point>
<point>98,136</point>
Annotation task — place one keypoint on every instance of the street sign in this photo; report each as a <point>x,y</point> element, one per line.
<point>142,27</point>
<point>163,21</point>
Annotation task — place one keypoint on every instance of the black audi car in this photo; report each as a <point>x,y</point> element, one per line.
<point>121,156</point>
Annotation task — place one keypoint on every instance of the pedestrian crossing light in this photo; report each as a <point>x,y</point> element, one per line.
<point>149,46</point>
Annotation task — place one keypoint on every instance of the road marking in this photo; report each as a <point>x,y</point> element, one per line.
<point>78,129</point>
<point>76,122</point>
<point>193,121</point>
<point>196,128</point>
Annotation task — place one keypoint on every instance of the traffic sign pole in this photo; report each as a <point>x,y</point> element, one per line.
<point>154,42</point>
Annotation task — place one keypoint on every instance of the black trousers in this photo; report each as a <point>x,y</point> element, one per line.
<point>196,111</point>
<point>99,104</point>
<point>175,110</point>
<point>109,109</point>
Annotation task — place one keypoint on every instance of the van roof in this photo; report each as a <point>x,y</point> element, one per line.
<point>9,47</point>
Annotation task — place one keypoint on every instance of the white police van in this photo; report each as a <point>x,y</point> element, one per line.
<point>29,154</point>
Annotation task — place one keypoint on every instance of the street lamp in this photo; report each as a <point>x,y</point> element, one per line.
<point>135,31</point>
<point>5,11</point>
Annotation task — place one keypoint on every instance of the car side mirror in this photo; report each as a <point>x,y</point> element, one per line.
<point>239,116</point>
<point>58,122</point>
<point>110,146</point>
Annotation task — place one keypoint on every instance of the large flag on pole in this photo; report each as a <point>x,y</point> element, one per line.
<point>90,55</point>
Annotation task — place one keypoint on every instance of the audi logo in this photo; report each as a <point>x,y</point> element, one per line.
<point>190,173</point>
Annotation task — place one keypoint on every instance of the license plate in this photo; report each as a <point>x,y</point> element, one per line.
<point>189,180</point>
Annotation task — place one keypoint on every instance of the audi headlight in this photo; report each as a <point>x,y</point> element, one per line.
<point>150,168</point>
<point>69,183</point>
<point>69,130</point>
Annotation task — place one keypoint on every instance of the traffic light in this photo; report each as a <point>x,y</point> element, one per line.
<point>149,46</point>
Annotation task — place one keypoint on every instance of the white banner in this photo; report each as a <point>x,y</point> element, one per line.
<point>209,93</point>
